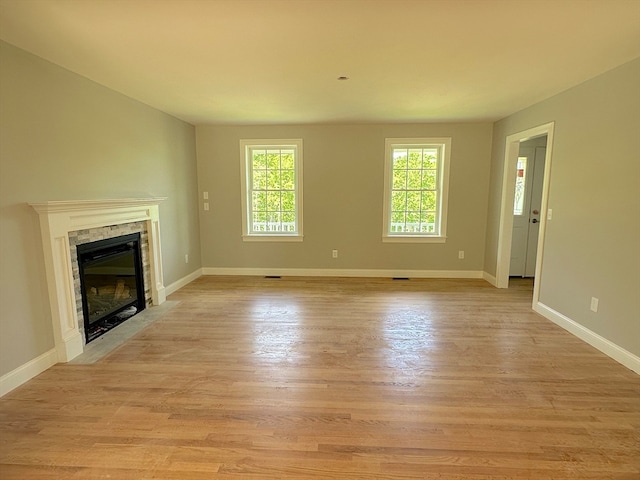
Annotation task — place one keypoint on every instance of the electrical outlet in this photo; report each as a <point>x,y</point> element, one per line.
<point>594,304</point>
<point>461,254</point>
<point>205,195</point>
<point>334,253</point>
<point>206,206</point>
<point>186,258</point>
<point>549,214</point>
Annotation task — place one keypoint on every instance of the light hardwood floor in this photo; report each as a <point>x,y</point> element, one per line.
<point>324,378</point>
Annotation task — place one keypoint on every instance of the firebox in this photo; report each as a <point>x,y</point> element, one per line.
<point>111,283</point>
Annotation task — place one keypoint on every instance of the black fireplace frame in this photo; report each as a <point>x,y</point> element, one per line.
<point>95,252</point>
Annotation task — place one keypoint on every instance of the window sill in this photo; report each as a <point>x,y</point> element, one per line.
<point>413,239</point>
<point>272,238</point>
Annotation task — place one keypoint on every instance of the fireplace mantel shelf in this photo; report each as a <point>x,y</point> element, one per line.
<point>73,205</point>
<point>57,219</point>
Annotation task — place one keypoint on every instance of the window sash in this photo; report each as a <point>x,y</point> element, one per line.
<point>272,188</point>
<point>416,177</point>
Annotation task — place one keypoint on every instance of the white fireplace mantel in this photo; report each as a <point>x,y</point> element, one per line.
<point>57,219</point>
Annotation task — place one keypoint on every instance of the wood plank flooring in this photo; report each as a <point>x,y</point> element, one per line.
<point>325,378</point>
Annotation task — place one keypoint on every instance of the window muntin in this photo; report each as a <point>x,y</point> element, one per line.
<point>416,183</point>
<point>272,189</point>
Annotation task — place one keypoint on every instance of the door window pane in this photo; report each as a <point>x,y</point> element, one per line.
<point>521,178</point>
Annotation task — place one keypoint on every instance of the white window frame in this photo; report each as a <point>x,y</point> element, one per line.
<point>442,187</point>
<point>246,146</point>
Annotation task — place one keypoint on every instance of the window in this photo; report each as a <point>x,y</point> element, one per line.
<point>521,180</point>
<point>415,194</point>
<point>271,189</point>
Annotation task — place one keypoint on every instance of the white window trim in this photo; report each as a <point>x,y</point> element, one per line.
<point>443,198</point>
<point>245,145</point>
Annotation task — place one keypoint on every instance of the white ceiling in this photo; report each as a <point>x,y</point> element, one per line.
<point>277,61</point>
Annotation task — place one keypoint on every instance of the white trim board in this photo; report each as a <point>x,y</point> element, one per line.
<point>607,347</point>
<point>178,284</point>
<point>24,373</point>
<point>338,272</point>
<point>490,278</point>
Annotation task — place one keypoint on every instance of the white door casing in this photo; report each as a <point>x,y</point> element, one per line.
<point>503,257</point>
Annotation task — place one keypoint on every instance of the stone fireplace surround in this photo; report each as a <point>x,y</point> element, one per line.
<point>59,220</point>
<point>89,235</point>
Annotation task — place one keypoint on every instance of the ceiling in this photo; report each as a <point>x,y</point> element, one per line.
<point>278,61</point>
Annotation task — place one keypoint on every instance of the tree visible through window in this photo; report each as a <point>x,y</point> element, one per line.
<point>416,175</point>
<point>273,187</point>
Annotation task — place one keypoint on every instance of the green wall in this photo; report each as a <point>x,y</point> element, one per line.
<point>64,137</point>
<point>592,244</point>
<point>343,199</point>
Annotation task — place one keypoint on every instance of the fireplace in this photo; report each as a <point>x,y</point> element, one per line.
<point>65,225</point>
<point>111,283</point>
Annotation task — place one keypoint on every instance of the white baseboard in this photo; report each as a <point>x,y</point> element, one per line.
<point>338,272</point>
<point>177,285</point>
<point>607,347</point>
<point>27,371</point>
<point>490,278</point>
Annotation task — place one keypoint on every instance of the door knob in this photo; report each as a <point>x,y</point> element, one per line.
<point>535,220</point>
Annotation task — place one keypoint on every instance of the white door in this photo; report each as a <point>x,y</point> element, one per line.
<point>526,211</point>
<point>534,207</point>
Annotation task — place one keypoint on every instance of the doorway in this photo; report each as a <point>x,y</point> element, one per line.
<point>505,235</point>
